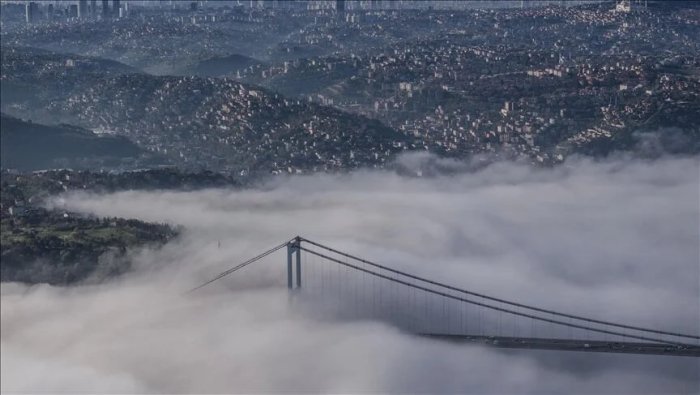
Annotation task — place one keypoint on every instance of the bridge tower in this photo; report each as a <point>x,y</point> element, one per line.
<point>294,254</point>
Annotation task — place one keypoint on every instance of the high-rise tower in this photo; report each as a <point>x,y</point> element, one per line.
<point>31,11</point>
<point>82,9</point>
<point>105,9</point>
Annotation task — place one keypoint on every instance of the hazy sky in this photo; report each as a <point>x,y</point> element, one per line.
<point>616,239</point>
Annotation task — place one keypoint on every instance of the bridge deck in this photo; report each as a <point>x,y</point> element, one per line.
<point>572,345</point>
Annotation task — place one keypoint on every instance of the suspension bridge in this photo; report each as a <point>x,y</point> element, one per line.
<point>352,288</point>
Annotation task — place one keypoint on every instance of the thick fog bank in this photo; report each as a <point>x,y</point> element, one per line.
<point>616,240</point>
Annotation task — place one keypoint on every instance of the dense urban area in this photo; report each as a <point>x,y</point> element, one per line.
<point>116,95</point>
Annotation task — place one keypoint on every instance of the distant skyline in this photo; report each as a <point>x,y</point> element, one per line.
<point>350,4</point>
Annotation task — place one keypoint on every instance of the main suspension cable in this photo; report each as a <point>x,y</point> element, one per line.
<point>535,317</point>
<point>241,266</point>
<point>528,307</point>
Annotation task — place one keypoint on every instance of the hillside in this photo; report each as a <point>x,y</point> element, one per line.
<point>40,246</point>
<point>218,124</point>
<point>30,146</point>
<point>58,247</point>
<point>220,66</point>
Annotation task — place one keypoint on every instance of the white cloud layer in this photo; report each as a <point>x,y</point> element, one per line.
<point>618,240</point>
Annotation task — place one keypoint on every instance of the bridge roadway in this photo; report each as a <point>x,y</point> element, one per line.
<point>687,350</point>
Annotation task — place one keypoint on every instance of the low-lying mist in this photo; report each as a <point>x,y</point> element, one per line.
<point>616,240</point>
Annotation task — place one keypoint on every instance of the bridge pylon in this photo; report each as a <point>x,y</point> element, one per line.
<point>294,254</point>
